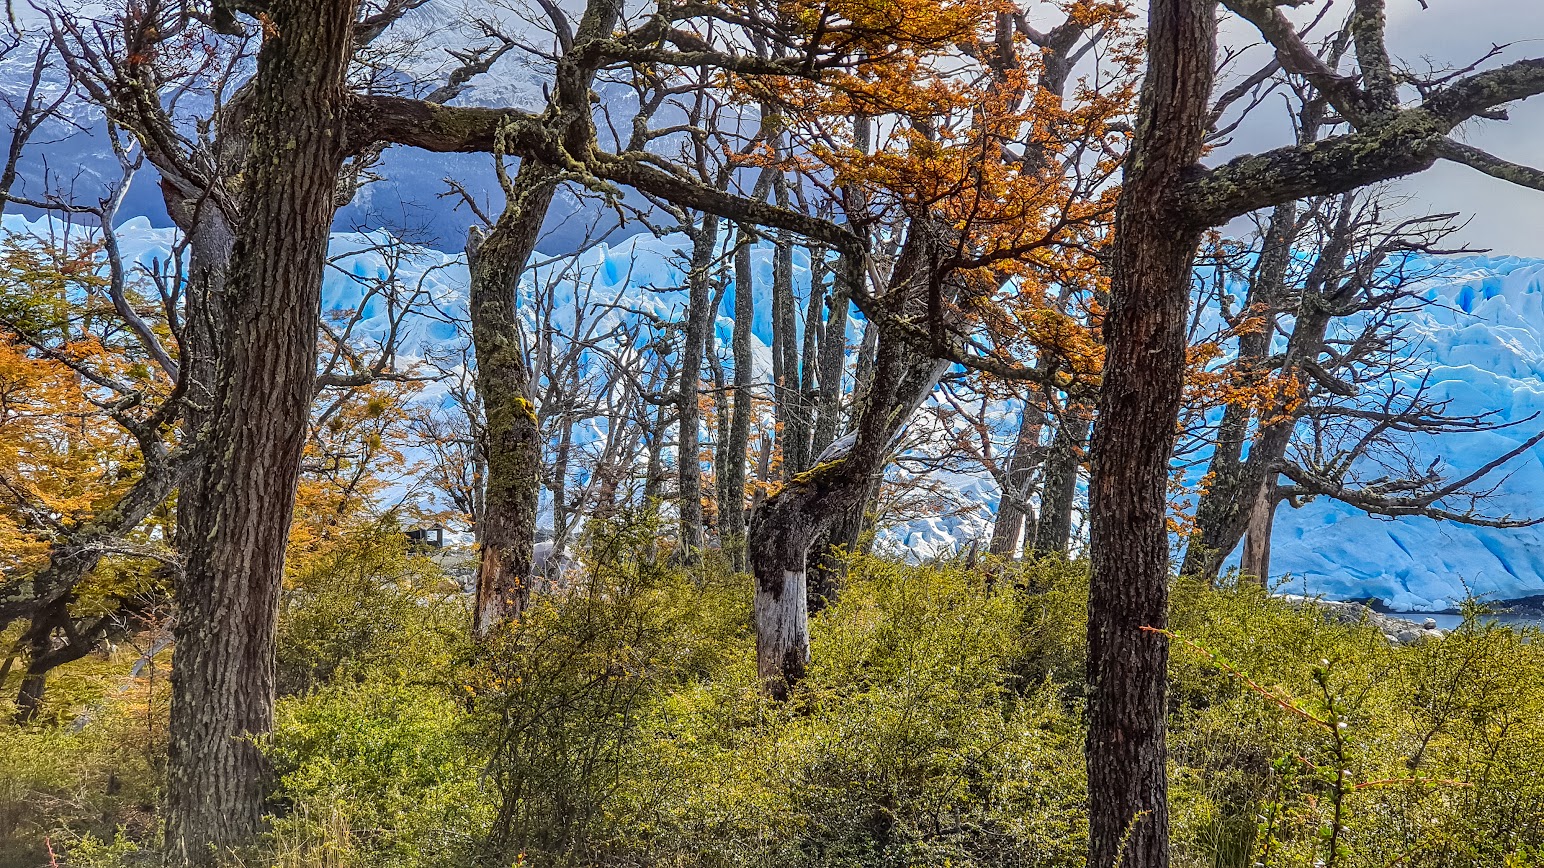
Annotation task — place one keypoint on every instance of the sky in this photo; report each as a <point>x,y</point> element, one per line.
<point>1501,217</point>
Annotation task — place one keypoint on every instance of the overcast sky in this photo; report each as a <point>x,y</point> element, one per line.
<point>1503,217</point>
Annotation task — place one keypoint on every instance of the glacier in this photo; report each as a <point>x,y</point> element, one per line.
<point>1481,344</point>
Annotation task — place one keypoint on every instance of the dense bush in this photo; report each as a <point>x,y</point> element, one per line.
<point>621,724</point>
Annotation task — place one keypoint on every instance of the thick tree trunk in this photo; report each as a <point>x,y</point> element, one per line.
<point>698,320</point>
<point>1144,378</point>
<point>1053,530</point>
<point>223,682</point>
<point>511,432</point>
<point>832,550</point>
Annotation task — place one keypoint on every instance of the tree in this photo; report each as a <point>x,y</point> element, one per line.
<point>79,312</point>
<point>223,683</point>
<point>1343,411</point>
<point>1168,199</point>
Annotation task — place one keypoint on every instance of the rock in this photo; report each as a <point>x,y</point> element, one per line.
<point>1398,631</point>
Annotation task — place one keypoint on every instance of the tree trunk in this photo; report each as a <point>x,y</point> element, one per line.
<point>1144,378</point>
<point>1008,525</point>
<point>792,403</point>
<point>847,279</point>
<point>832,550</point>
<point>654,469</point>
<point>1053,531</point>
<point>511,432</point>
<point>1209,545</point>
<point>720,416</point>
<point>832,361</point>
<point>1257,539</point>
<point>698,320</point>
<point>788,522</point>
<point>740,425</point>
<point>223,683</point>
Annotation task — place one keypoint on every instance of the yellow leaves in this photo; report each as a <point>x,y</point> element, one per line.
<point>1270,396</point>
<point>355,453</point>
<point>59,457</point>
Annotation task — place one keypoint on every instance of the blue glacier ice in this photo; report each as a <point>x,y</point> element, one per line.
<point>1481,345</point>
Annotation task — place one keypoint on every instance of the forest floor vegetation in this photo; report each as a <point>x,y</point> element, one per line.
<point>941,724</point>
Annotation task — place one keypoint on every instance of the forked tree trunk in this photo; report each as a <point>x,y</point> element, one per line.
<point>511,432</point>
<point>788,523</point>
<point>223,681</point>
<point>1138,402</point>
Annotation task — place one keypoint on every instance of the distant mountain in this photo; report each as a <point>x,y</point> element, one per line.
<point>408,197</point>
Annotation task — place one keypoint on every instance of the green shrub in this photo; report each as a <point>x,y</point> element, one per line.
<point>368,609</point>
<point>375,774</point>
<point>941,723</point>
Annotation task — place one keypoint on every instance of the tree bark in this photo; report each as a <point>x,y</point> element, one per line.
<point>721,417</point>
<point>833,549</point>
<point>832,353</point>
<point>1053,530</point>
<point>1008,525</point>
<point>511,429</point>
<point>1139,400</point>
<point>1217,512</point>
<point>792,403</point>
<point>698,320</point>
<point>735,518</point>
<point>1257,539</point>
<point>511,432</point>
<point>223,684</point>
